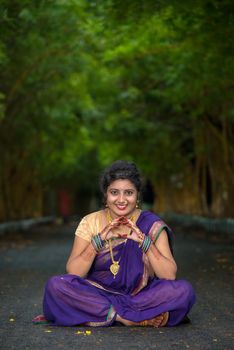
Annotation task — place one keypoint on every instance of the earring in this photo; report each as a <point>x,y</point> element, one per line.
<point>137,204</point>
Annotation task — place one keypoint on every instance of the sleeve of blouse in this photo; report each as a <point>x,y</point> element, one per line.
<point>156,230</point>
<point>84,230</point>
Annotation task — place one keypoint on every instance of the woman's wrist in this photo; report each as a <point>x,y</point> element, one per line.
<point>97,242</point>
<point>145,244</point>
<point>102,235</point>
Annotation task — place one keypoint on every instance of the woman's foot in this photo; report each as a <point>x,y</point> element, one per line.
<point>158,321</point>
<point>40,319</point>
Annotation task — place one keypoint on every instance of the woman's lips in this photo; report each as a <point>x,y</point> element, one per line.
<point>121,207</point>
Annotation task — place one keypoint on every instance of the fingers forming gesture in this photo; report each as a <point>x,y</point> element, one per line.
<point>135,233</point>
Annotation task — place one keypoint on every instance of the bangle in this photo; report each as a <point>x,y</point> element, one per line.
<point>145,245</point>
<point>97,242</point>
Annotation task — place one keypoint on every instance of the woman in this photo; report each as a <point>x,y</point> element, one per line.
<point>121,267</point>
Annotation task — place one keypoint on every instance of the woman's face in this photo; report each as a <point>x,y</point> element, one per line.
<point>121,198</point>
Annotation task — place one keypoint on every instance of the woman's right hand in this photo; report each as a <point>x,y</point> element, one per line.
<point>108,232</point>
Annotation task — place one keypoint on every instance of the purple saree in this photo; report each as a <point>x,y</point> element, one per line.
<point>133,294</point>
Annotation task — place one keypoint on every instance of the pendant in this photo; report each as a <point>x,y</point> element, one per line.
<point>114,268</point>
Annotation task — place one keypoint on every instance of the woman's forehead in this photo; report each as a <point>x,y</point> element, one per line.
<point>122,184</point>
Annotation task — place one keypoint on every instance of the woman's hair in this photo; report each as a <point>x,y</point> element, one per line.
<point>120,169</point>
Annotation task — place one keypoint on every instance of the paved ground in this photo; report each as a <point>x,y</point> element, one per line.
<point>28,259</point>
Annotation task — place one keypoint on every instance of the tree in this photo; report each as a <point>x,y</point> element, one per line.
<point>84,83</point>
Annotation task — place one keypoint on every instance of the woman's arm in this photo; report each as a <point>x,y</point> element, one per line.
<point>81,257</point>
<point>83,252</point>
<point>161,258</point>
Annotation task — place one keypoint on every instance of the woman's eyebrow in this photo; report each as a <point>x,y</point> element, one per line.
<point>119,189</point>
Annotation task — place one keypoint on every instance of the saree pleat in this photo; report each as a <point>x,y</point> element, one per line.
<point>134,295</point>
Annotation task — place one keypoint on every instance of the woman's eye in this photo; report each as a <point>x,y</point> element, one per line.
<point>114,193</point>
<point>129,193</point>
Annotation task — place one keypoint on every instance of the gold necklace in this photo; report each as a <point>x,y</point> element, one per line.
<point>109,218</point>
<point>114,267</point>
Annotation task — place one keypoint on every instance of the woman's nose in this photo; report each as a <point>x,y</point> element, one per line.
<point>121,197</point>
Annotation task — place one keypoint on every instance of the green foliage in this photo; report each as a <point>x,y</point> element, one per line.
<point>84,83</point>
<point>39,60</point>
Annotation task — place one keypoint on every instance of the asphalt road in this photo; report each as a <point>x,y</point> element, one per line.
<point>27,260</point>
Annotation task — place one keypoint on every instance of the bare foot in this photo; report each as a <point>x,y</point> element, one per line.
<point>158,321</point>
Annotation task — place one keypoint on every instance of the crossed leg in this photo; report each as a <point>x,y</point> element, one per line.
<point>158,321</point>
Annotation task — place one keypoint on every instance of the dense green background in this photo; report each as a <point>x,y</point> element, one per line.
<point>83,83</point>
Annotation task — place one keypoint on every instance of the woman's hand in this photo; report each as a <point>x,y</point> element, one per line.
<point>107,232</point>
<point>135,233</point>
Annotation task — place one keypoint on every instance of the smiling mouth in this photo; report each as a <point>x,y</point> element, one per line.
<point>121,207</point>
